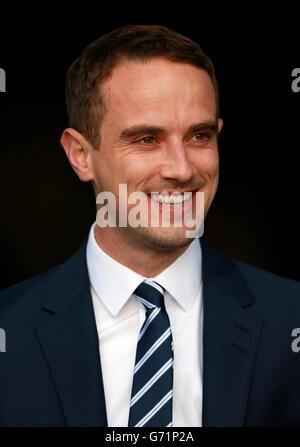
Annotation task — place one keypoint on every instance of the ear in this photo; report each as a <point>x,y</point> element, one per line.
<point>220,125</point>
<point>78,151</point>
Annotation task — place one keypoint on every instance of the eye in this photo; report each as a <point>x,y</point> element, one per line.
<point>202,136</point>
<point>146,140</point>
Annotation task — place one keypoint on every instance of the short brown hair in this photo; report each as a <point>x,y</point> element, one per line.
<point>95,64</point>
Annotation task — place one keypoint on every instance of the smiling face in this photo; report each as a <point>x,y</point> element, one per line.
<point>158,134</point>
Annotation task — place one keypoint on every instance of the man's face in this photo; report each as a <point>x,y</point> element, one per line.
<point>158,134</point>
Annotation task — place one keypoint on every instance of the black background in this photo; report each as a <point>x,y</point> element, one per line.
<point>46,211</point>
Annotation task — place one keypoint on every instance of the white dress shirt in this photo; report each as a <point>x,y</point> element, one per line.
<point>120,315</point>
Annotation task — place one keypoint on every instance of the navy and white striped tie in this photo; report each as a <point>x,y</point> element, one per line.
<point>152,389</point>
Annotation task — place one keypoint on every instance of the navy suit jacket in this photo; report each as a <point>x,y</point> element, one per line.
<point>50,374</point>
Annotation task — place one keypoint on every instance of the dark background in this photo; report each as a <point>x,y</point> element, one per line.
<point>46,211</point>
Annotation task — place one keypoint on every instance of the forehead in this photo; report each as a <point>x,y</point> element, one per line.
<point>158,87</point>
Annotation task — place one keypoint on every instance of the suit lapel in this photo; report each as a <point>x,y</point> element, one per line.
<point>69,340</point>
<point>231,332</point>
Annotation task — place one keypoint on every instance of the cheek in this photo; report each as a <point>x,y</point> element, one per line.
<point>112,172</point>
<point>105,168</point>
<point>207,164</point>
<point>214,165</point>
<point>138,168</point>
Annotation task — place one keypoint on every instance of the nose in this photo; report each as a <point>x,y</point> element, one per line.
<point>176,165</point>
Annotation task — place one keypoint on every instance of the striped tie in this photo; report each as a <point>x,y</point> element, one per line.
<point>152,389</point>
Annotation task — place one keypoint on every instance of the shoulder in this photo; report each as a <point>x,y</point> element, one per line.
<point>271,290</point>
<point>27,290</point>
<point>268,289</point>
<point>263,278</point>
<point>28,295</point>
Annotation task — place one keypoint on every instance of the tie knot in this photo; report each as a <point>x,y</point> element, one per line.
<point>150,293</point>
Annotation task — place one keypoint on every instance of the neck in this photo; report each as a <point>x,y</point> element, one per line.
<point>142,259</point>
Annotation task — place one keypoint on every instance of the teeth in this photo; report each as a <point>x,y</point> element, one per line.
<point>175,200</point>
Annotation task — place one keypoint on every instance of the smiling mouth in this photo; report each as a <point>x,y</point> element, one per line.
<point>174,199</point>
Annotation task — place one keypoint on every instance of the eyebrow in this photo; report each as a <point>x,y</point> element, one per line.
<point>156,130</point>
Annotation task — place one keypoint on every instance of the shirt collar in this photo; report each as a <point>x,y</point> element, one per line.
<point>181,279</point>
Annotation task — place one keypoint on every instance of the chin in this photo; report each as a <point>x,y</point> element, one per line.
<point>164,239</point>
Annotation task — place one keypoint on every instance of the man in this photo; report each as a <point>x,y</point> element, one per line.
<point>145,325</point>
